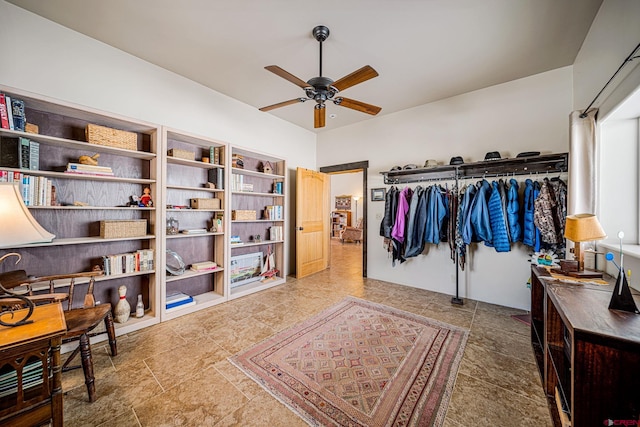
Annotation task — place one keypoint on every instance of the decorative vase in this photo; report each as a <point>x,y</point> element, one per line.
<point>123,309</point>
<point>140,307</point>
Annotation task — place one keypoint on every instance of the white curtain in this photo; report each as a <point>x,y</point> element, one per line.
<point>582,191</point>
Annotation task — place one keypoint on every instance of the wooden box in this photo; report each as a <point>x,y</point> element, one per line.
<point>181,154</point>
<point>115,229</point>
<point>243,215</point>
<point>101,135</point>
<point>205,203</point>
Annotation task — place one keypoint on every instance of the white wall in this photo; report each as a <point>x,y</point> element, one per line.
<point>347,183</point>
<point>523,115</point>
<point>43,57</point>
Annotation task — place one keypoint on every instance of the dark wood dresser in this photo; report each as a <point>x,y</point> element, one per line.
<point>588,355</point>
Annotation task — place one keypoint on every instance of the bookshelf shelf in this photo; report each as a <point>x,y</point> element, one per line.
<point>186,180</point>
<point>78,247</point>
<point>260,199</point>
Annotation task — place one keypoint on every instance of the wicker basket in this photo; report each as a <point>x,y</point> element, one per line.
<point>205,203</point>
<point>181,154</point>
<point>115,229</point>
<point>101,135</point>
<point>241,215</point>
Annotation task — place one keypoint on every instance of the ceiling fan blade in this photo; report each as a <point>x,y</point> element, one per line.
<point>357,105</point>
<point>282,104</point>
<point>319,113</point>
<point>287,76</point>
<point>363,74</point>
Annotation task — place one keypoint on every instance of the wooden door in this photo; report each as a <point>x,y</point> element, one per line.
<point>312,221</point>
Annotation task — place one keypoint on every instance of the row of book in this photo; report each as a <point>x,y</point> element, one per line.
<point>273,212</point>
<point>19,153</point>
<point>238,184</point>
<point>177,301</point>
<point>35,190</point>
<point>276,232</point>
<point>216,155</point>
<point>31,377</point>
<point>141,260</point>
<point>12,113</point>
<point>82,169</point>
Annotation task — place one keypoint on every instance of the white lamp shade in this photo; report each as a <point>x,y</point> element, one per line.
<point>17,226</point>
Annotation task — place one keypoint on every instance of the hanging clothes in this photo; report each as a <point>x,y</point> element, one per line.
<point>417,222</point>
<point>513,207</point>
<point>500,238</point>
<point>452,224</point>
<point>479,215</point>
<point>528,227</point>
<point>502,189</point>
<point>464,216</point>
<point>546,215</point>
<point>436,211</point>
<point>390,207</point>
<point>399,227</point>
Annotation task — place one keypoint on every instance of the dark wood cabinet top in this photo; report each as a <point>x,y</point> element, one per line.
<point>586,310</point>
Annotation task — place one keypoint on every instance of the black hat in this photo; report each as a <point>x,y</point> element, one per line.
<point>396,168</point>
<point>410,166</point>
<point>456,160</point>
<point>492,155</point>
<point>528,154</point>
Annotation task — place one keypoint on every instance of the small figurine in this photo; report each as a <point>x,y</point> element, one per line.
<point>86,160</point>
<point>145,199</point>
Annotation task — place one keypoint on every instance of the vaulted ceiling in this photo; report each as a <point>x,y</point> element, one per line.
<point>423,50</point>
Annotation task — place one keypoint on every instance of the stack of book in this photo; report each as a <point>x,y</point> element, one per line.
<point>273,212</point>
<point>82,169</point>
<point>19,153</point>
<point>177,301</point>
<point>235,240</point>
<point>141,260</point>
<point>275,233</point>
<point>12,113</point>
<point>35,190</point>
<point>204,266</point>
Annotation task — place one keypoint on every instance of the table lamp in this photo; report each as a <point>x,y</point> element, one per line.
<point>582,228</point>
<point>17,227</point>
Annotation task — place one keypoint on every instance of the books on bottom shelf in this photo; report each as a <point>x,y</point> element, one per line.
<point>275,232</point>
<point>141,260</point>
<point>178,300</point>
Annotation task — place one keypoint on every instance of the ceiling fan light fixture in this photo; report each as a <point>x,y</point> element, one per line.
<point>322,89</point>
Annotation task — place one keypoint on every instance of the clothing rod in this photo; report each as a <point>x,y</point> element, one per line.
<point>627,60</point>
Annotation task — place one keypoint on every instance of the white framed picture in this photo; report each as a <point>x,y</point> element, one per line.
<point>245,268</point>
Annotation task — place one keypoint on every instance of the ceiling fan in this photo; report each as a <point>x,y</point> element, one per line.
<point>322,89</point>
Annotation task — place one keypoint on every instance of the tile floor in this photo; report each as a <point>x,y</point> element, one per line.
<point>177,373</point>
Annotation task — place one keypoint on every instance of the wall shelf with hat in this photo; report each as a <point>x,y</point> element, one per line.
<point>493,166</point>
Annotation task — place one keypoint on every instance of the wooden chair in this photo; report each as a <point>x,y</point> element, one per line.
<point>81,322</point>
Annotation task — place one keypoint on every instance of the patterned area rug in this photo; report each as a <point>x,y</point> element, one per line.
<point>360,363</point>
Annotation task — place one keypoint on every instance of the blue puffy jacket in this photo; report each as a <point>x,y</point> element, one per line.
<point>528,227</point>
<point>496,218</point>
<point>513,208</point>
<point>479,216</point>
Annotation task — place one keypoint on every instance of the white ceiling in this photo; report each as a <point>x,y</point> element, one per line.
<point>424,50</point>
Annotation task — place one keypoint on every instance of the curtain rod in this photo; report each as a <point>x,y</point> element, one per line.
<point>627,60</point>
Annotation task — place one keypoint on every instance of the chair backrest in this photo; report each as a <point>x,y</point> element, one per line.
<point>360,223</point>
<point>43,289</point>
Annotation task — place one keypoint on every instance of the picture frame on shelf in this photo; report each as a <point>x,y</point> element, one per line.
<point>378,194</point>
<point>245,268</point>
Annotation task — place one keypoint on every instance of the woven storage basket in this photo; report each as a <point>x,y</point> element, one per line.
<point>115,229</point>
<point>243,215</point>
<point>205,203</point>
<point>101,135</point>
<point>181,154</point>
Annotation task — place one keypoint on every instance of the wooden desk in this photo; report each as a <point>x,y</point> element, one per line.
<point>32,353</point>
<point>587,354</point>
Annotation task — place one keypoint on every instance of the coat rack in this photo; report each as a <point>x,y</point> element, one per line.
<point>546,163</point>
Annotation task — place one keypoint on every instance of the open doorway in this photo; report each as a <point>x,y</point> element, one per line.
<point>348,209</point>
